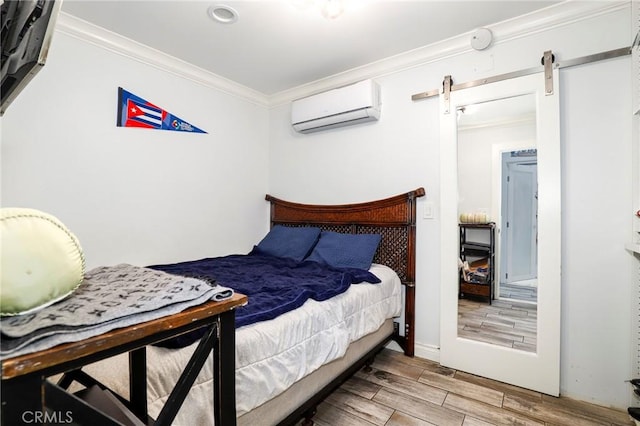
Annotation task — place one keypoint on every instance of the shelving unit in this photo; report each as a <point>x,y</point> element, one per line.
<point>479,252</point>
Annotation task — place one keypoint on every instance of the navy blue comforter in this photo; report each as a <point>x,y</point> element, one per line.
<point>274,285</point>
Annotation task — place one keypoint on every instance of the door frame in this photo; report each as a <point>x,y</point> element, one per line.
<point>496,197</point>
<point>506,235</point>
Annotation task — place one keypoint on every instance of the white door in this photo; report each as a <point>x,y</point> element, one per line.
<point>538,370</point>
<point>520,224</point>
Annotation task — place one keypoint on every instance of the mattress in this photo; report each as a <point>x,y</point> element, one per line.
<point>270,355</point>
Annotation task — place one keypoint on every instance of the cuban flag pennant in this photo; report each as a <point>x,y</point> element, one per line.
<point>134,111</point>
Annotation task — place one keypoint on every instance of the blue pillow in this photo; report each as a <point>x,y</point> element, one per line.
<point>290,242</point>
<point>345,250</point>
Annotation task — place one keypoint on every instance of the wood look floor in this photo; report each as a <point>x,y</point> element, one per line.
<point>403,391</point>
<point>506,323</point>
<point>525,293</point>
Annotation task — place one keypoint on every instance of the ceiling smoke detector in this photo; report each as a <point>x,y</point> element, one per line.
<point>222,13</point>
<point>481,38</point>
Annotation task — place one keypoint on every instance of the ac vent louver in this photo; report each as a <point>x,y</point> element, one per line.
<point>344,106</point>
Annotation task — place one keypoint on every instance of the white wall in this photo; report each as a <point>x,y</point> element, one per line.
<point>400,152</point>
<point>475,162</point>
<point>145,196</point>
<point>135,195</point>
<point>597,270</point>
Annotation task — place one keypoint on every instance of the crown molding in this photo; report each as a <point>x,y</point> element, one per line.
<point>559,15</point>
<point>555,16</point>
<point>98,36</point>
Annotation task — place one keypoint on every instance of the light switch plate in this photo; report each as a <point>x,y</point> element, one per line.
<point>427,213</point>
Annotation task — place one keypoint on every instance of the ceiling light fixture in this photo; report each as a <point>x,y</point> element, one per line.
<point>330,9</point>
<point>222,13</point>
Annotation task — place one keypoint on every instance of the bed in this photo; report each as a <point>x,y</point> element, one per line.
<point>288,364</point>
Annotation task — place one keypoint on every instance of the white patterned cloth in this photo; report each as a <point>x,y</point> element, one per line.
<point>109,297</point>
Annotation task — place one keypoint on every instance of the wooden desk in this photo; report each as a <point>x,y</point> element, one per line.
<point>26,390</point>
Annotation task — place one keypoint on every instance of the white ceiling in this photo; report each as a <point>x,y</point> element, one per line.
<point>498,112</point>
<point>276,45</point>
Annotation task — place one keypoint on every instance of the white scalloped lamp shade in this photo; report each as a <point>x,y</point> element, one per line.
<point>42,261</point>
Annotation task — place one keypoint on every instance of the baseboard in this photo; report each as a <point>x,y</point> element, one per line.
<point>430,352</point>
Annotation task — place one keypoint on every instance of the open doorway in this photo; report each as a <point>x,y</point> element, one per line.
<point>519,224</point>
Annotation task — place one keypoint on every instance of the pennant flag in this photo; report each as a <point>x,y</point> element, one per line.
<point>134,111</point>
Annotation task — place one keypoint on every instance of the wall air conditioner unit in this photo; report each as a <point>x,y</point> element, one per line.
<point>339,107</point>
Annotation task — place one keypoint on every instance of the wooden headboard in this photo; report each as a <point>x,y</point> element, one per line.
<point>393,218</point>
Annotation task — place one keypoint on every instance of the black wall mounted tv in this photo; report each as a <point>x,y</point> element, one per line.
<point>27,29</point>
